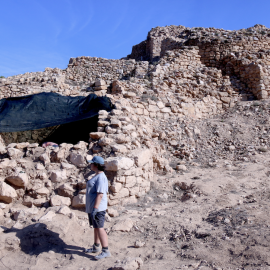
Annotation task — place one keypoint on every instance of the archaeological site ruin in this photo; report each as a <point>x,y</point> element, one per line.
<point>176,75</point>
<point>162,96</point>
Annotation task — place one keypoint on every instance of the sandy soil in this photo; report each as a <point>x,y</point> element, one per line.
<point>205,218</point>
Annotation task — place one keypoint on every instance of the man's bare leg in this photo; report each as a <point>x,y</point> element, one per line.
<point>96,236</point>
<point>101,237</point>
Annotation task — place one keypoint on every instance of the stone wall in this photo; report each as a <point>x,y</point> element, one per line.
<point>249,46</point>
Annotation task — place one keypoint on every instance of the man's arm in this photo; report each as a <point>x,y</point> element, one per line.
<point>98,200</point>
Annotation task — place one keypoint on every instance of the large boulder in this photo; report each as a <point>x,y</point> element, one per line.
<point>7,193</point>
<point>57,200</point>
<point>118,163</point>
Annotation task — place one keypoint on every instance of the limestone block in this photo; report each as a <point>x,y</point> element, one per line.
<point>128,172</point>
<point>22,145</point>
<point>121,138</point>
<point>160,105</point>
<point>116,112</point>
<point>118,163</point>
<point>112,212</point>
<point>19,178</point>
<point>64,210</point>
<point>3,150</point>
<point>57,200</point>
<point>129,264</point>
<point>145,112</point>
<point>166,110</point>
<point>116,123</point>
<point>120,179</point>
<point>68,166</point>
<point>40,166</point>
<point>138,171</point>
<point>142,156</point>
<point>100,82</point>
<point>124,192</point>
<point>58,176</point>
<point>100,129</point>
<point>63,152</point>
<point>110,130</point>
<point>81,145</point>
<point>7,193</point>
<point>97,135</point>
<point>134,191</point>
<point>102,87</point>
<point>65,190</point>
<point>129,95</point>
<point>130,181</point>
<point>119,148</point>
<point>103,123</point>
<point>47,217</point>
<point>43,191</point>
<point>225,99</point>
<point>45,158</point>
<point>39,202</point>
<point>153,108</point>
<point>139,111</point>
<point>105,141</point>
<point>116,187</point>
<point>103,113</point>
<point>181,168</point>
<point>113,202</point>
<point>123,225</point>
<point>14,153</point>
<point>79,201</point>
<point>77,159</point>
<point>20,214</point>
<point>2,205</point>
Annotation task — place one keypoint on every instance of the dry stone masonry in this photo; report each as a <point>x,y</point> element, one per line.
<point>168,82</point>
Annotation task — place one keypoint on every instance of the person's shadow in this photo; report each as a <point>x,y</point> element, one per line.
<point>36,239</point>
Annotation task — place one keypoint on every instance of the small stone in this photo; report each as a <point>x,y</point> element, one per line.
<point>181,168</point>
<point>112,212</point>
<point>139,244</point>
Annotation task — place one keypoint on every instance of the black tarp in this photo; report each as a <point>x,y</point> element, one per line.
<point>48,109</point>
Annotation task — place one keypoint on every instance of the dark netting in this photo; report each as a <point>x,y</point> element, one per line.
<point>48,109</point>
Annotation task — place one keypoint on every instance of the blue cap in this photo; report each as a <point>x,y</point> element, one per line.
<point>97,159</point>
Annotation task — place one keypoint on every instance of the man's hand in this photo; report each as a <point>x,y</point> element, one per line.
<point>93,214</point>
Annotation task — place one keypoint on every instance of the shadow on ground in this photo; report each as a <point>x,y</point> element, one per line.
<point>36,239</point>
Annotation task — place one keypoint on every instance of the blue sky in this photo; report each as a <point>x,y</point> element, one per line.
<point>36,34</point>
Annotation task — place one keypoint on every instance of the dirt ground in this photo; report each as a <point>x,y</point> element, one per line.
<point>205,218</point>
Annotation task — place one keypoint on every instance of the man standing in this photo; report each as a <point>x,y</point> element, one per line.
<point>96,206</point>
